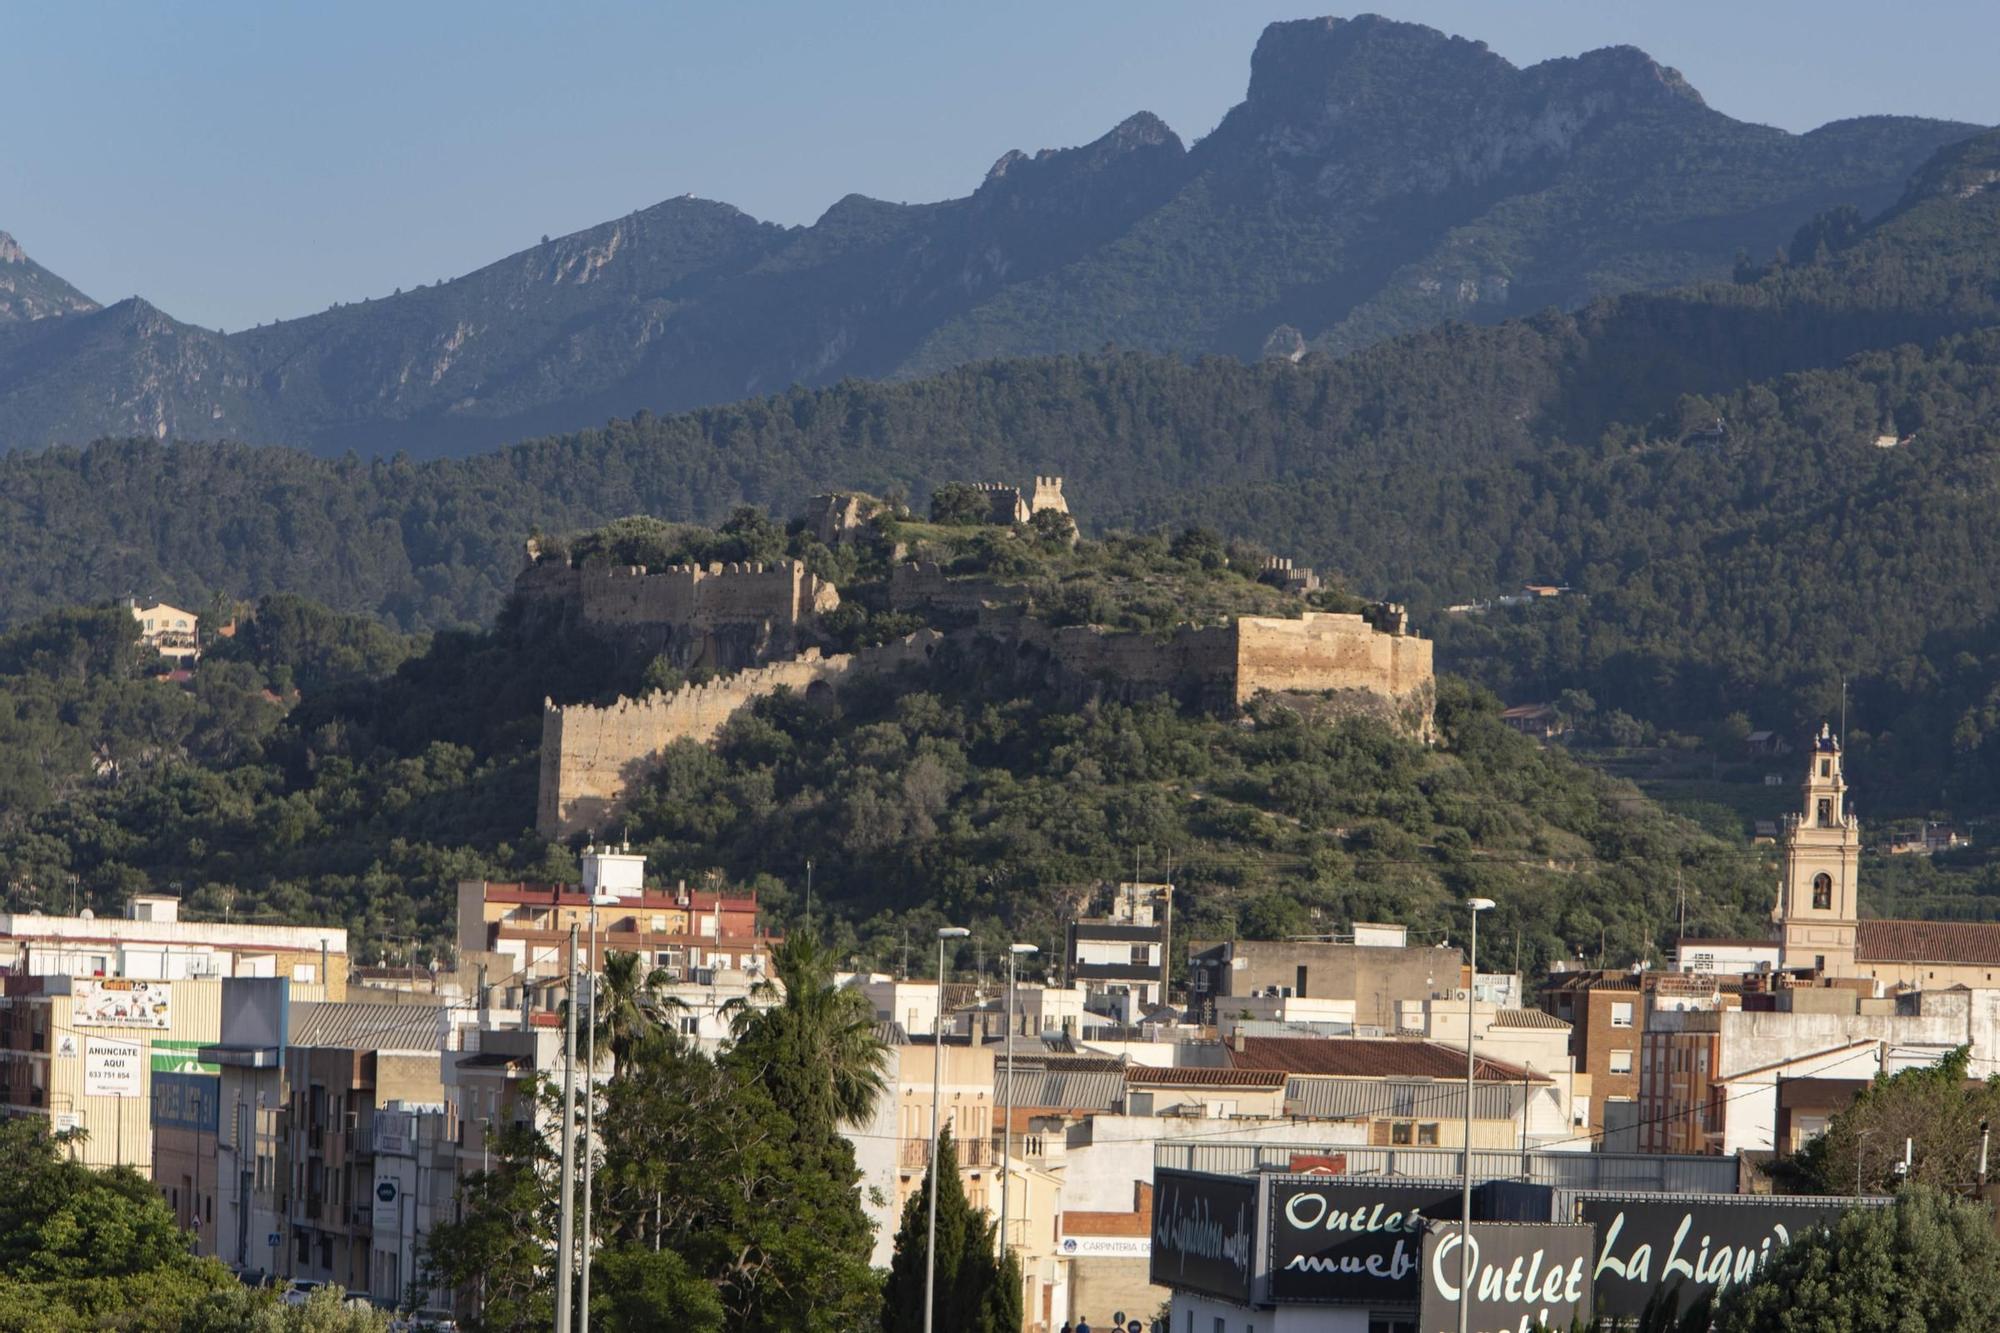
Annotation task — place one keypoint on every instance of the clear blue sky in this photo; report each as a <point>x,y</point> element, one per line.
<point>236,160</point>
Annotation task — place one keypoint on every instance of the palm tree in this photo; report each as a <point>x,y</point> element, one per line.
<point>631,1004</point>
<point>816,1049</point>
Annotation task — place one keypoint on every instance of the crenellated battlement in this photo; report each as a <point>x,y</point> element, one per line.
<point>594,756</point>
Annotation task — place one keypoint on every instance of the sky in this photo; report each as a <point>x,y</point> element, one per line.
<point>235,161</point>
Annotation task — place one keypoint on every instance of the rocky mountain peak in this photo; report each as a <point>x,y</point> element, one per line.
<point>11,251</point>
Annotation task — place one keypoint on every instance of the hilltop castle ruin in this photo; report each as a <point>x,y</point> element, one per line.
<point>726,616</point>
<point>753,619</point>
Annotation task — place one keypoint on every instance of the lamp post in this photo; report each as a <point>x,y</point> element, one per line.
<point>1476,906</point>
<point>1014,953</point>
<point>1860,1151</point>
<point>597,900</point>
<point>937,1078</point>
<point>565,1216</point>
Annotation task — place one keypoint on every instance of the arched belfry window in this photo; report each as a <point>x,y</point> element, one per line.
<point>1822,891</point>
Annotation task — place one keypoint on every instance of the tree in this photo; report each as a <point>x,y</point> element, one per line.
<point>631,1002</point>
<point>1929,1263</point>
<point>1937,1108</point>
<point>816,1050</point>
<point>82,1249</point>
<point>975,1290</point>
<point>960,505</point>
<point>240,1309</point>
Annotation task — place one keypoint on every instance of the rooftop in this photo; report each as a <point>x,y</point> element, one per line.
<point>369,1027</point>
<point>1369,1057</point>
<point>1951,942</point>
<point>1146,1076</point>
<point>1527,1018</point>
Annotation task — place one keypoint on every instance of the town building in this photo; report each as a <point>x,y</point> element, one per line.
<point>522,931</point>
<point>169,631</point>
<point>1121,959</point>
<point>1817,919</point>
<point>344,1064</point>
<point>893,1149</point>
<point>1409,1092</point>
<point>84,1053</point>
<point>1606,1013</point>
<point>1710,1075</point>
<point>151,942</point>
<point>1374,969</point>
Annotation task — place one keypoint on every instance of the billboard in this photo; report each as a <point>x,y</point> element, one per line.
<point>1690,1245</point>
<point>113,1068</point>
<point>180,1057</point>
<point>1204,1233</point>
<point>1521,1274</point>
<point>120,1002</point>
<point>1356,1243</point>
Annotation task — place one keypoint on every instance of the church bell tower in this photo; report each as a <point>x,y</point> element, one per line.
<point>1819,855</point>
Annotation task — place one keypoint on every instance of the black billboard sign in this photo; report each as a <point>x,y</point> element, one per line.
<point>1689,1246</point>
<point>1204,1233</point>
<point>1348,1242</point>
<point>1521,1274</point>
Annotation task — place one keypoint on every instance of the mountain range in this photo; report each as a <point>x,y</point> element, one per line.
<point>1378,178</point>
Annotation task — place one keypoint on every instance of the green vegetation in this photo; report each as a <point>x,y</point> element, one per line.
<point>955,790</point>
<point>975,1289</point>
<point>1930,1263</point>
<point>726,1198</point>
<point>1938,1109</point>
<point>89,1251</point>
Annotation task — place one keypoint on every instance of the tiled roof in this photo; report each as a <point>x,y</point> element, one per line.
<point>1947,942</point>
<point>369,1027</point>
<point>1366,1057</point>
<point>1147,1076</point>
<point>1527,1018</point>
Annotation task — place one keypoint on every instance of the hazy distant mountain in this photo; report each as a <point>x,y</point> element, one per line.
<point>29,291</point>
<point>1378,178</point>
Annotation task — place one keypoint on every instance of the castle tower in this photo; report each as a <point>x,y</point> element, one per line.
<point>1048,495</point>
<point>1819,854</point>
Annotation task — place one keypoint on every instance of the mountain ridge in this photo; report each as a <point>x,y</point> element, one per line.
<point>1377,178</point>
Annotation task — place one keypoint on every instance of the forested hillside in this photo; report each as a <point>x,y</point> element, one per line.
<point>1377,178</point>
<point>318,769</point>
<point>1701,468</point>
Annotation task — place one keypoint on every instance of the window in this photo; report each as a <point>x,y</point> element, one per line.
<point>1142,955</point>
<point>1621,1062</point>
<point>1826,768</point>
<point>1427,1136</point>
<point>1401,1133</point>
<point>1621,1014</point>
<point>1822,889</point>
<point>1826,812</point>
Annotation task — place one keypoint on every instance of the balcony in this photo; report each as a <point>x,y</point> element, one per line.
<point>916,1153</point>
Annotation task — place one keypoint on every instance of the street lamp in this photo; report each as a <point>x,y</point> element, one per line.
<point>937,1078</point>
<point>1476,906</point>
<point>597,900</point>
<point>1015,952</point>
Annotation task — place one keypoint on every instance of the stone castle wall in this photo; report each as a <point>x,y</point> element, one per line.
<point>592,757</point>
<point>1327,651</point>
<point>717,615</point>
<point>917,584</point>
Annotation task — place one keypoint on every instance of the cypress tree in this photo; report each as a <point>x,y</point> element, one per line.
<point>977,1292</point>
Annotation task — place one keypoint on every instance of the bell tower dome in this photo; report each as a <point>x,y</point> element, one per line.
<point>1819,855</point>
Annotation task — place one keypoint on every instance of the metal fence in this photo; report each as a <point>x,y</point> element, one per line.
<point>1649,1173</point>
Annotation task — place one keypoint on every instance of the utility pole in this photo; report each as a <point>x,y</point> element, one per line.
<point>566,1219</point>
<point>1477,905</point>
<point>589,1122</point>
<point>1680,887</point>
<point>937,1082</point>
<point>1014,953</point>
